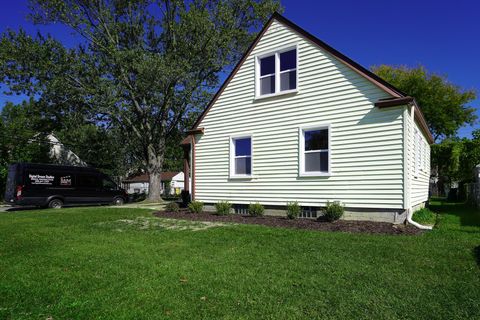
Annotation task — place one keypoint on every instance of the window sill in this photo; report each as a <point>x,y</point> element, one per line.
<point>315,174</point>
<point>244,177</point>
<point>272,95</point>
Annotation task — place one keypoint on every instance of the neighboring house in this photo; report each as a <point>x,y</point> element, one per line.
<point>139,183</point>
<point>61,154</point>
<point>296,120</point>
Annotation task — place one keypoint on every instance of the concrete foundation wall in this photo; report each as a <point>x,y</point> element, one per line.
<point>358,214</point>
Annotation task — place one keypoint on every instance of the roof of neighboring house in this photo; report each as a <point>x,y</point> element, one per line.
<point>144,177</point>
<point>387,87</point>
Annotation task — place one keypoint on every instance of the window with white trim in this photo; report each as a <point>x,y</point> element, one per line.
<point>315,151</point>
<point>241,156</point>
<point>277,72</point>
<point>416,144</point>
<point>425,156</point>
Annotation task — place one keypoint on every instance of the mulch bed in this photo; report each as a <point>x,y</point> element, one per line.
<point>308,224</point>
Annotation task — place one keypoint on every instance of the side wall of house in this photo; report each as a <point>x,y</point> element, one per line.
<point>418,164</point>
<point>366,142</point>
<point>137,187</point>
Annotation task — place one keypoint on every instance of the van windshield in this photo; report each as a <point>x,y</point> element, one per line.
<point>108,184</point>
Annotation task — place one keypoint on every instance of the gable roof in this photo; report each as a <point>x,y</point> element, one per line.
<point>382,84</point>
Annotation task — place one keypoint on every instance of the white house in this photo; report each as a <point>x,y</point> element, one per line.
<point>61,154</point>
<point>139,183</point>
<point>296,120</point>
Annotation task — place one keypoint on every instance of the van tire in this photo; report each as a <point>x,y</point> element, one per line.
<point>55,204</point>
<point>118,201</point>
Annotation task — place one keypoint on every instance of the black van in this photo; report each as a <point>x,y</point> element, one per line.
<point>54,186</point>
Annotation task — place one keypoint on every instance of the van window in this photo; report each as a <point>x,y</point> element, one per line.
<point>87,181</point>
<point>108,184</point>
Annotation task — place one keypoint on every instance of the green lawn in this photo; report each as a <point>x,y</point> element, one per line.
<point>105,263</point>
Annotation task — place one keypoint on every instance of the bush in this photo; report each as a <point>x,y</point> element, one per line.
<point>333,211</point>
<point>223,207</point>
<point>172,207</point>
<point>195,206</point>
<point>293,210</point>
<point>255,209</point>
<point>425,216</point>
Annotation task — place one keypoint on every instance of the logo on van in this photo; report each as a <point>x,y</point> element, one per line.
<point>66,181</point>
<point>41,179</point>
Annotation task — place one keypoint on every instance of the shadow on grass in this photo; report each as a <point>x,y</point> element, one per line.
<point>476,254</point>
<point>469,215</point>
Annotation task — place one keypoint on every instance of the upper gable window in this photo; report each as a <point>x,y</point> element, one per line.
<point>277,72</point>
<point>267,75</point>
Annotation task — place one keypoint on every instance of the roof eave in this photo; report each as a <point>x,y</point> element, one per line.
<point>396,102</point>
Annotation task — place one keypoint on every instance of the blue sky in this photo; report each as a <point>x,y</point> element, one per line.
<point>444,36</point>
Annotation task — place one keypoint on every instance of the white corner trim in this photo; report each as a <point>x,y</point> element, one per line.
<point>406,163</point>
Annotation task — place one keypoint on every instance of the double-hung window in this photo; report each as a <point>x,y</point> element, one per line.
<point>267,75</point>
<point>315,151</point>
<point>277,72</point>
<point>241,156</point>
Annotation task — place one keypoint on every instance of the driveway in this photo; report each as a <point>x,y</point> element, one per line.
<point>10,209</point>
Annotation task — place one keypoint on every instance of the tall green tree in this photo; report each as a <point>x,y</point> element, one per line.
<point>454,159</point>
<point>145,66</point>
<point>98,147</point>
<point>470,157</point>
<point>22,137</point>
<point>445,105</point>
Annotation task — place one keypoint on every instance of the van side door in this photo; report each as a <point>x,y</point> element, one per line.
<point>109,189</point>
<point>87,188</point>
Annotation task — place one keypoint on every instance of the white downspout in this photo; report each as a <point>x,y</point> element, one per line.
<point>416,224</point>
<point>410,209</point>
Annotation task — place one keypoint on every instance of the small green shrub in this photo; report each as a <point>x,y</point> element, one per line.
<point>425,216</point>
<point>255,209</point>
<point>333,211</point>
<point>223,208</point>
<point>293,210</point>
<point>195,207</point>
<point>172,207</point>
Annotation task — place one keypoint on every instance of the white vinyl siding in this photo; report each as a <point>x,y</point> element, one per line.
<point>418,164</point>
<point>366,147</point>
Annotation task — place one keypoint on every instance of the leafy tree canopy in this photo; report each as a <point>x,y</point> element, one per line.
<point>455,159</point>
<point>445,105</point>
<point>21,139</point>
<point>145,67</point>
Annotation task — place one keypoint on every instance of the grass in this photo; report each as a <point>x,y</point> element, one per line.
<point>425,216</point>
<point>116,263</point>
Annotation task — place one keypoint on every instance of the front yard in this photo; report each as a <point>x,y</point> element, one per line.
<point>88,263</point>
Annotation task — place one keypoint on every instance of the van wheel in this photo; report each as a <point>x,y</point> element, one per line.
<point>55,204</point>
<point>118,201</point>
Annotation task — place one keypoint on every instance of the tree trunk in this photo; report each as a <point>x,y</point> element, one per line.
<point>154,170</point>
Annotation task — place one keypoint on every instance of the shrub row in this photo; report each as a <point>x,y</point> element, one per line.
<point>332,212</point>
